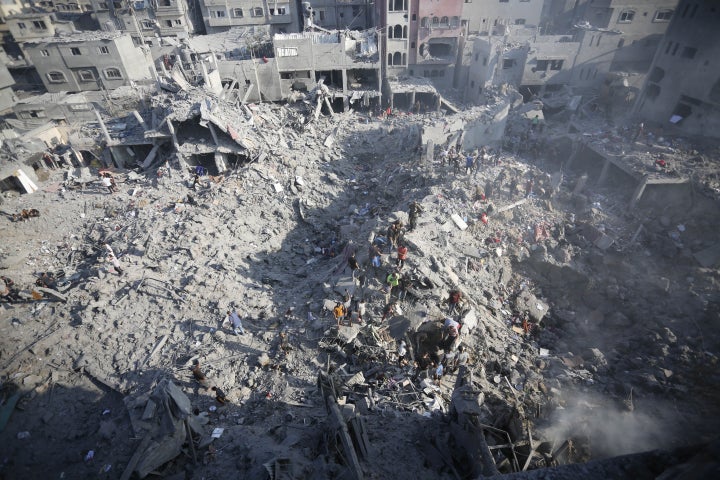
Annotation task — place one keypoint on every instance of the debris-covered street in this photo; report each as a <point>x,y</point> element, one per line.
<point>351,298</point>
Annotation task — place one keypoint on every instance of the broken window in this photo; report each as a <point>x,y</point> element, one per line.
<point>626,16</point>
<point>21,25</point>
<point>424,22</point>
<point>219,13</point>
<point>405,31</point>
<point>168,23</point>
<point>113,73</point>
<point>397,31</point>
<point>389,62</point>
<point>689,52</point>
<point>508,63</point>
<point>390,32</point>
<point>436,21</point>
<point>454,22</point>
<point>75,51</point>
<point>56,77</point>
<point>44,53</point>
<point>322,15</point>
<point>397,58</point>
<point>177,21</point>
<point>445,21</point>
<point>663,15</point>
<point>103,50</point>
<point>40,25</point>
<point>258,12</point>
<point>556,64</point>
<point>542,65</point>
<point>237,12</point>
<point>519,21</point>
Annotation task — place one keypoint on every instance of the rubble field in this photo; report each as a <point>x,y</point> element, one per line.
<point>591,328</point>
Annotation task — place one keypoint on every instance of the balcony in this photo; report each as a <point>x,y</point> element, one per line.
<point>174,9</point>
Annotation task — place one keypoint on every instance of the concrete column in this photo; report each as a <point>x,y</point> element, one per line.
<point>638,192</point>
<point>140,120</point>
<point>412,100</point>
<point>214,134</point>
<point>108,140</point>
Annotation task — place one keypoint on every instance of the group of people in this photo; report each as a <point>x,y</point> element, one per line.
<point>472,160</point>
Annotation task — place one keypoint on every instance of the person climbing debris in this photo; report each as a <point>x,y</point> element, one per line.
<point>390,310</point>
<point>413,213</point>
<point>453,301</point>
<point>402,254</point>
<point>235,322</point>
<point>462,358</point>
<point>451,331</point>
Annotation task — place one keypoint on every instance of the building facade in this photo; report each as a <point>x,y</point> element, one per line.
<point>7,97</point>
<point>682,90</point>
<point>618,36</point>
<point>221,15</point>
<point>481,16</point>
<point>145,20</point>
<point>89,61</point>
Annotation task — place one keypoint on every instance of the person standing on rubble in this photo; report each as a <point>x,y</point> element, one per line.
<point>394,232</point>
<point>413,213</point>
<point>402,253</point>
<point>462,358</point>
<point>402,352</point>
<point>353,264</point>
<point>105,177</point>
<point>339,312</point>
<point>469,159</point>
<point>392,281</point>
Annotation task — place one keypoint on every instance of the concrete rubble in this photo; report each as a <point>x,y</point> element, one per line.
<point>583,320</point>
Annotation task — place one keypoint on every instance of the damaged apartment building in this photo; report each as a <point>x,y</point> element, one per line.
<point>596,48</point>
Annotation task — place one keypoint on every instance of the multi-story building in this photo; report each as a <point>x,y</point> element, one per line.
<point>343,14</point>
<point>89,61</point>
<point>481,16</point>
<point>221,15</point>
<point>618,36</point>
<point>421,38</point>
<point>145,20</point>
<point>682,89</point>
<point>30,26</point>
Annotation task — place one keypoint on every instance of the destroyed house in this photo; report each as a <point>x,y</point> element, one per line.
<point>89,61</point>
<point>346,62</point>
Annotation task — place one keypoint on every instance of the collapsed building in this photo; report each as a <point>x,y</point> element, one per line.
<point>585,256</point>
